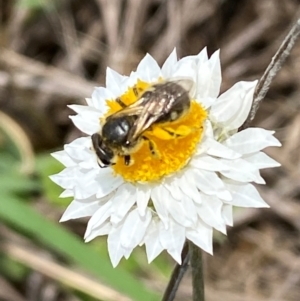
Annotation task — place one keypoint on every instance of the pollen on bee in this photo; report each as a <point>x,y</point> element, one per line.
<point>174,115</point>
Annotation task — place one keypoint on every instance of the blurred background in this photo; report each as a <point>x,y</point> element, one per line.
<point>53,53</point>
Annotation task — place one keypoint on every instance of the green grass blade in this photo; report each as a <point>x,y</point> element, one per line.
<point>55,237</point>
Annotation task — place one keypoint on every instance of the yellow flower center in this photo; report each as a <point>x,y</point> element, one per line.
<point>174,142</point>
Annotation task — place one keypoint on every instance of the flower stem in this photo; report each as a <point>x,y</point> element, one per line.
<point>177,275</point>
<point>197,272</point>
<point>276,63</point>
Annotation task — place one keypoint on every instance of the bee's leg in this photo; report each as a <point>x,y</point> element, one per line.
<point>135,91</point>
<point>120,102</point>
<point>169,133</point>
<point>151,146</point>
<point>173,134</point>
<point>127,160</point>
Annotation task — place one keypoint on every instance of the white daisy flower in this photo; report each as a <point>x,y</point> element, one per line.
<point>190,186</point>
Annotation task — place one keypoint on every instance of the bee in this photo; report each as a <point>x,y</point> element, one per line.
<point>122,132</point>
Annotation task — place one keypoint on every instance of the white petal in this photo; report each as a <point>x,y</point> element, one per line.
<point>216,77</point>
<point>186,69</point>
<point>99,97</point>
<point>168,67</point>
<point>66,194</point>
<point>210,211</point>
<point>189,209</point>
<point>260,160</point>
<point>232,107</point>
<point>202,57</point>
<point>206,102</point>
<point>245,195</point>
<point>199,59</point>
<point>201,236</point>
<point>183,212</point>
<point>123,200</point>
<point>90,119</point>
<point>80,109</point>
<point>79,149</point>
<point>81,142</point>
<point>208,163</point>
<point>207,140</point>
<point>85,191</point>
<point>152,242</point>
<point>109,182</point>
<point>99,217</point>
<point>227,214</point>
<point>172,239</point>
<point>114,82</point>
<point>115,249</point>
<point>217,149</point>
<point>208,129</point>
<point>132,80</point>
<point>148,69</point>
<point>80,208</point>
<point>86,185</point>
<point>85,125</point>
<point>188,186</point>
<point>99,105</point>
<point>90,162</point>
<point>242,171</point>
<point>134,228</point>
<point>209,77</point>
<point>67,178</point>
<point>103,229</point>
<point>161,198</point>
<point>172,185</point>
<point>63,158</point>
<point>127,252</point>
<point>210,184</point>
<point>251,140</point>
<point>142,198</point>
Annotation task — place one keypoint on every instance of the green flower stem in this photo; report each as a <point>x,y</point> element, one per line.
<point>197,272</point>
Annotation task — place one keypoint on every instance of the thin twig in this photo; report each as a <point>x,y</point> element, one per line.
<point>276,63</point>
<point>177,275</point>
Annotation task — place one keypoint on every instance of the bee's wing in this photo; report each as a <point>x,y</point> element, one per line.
<point>156,106</point>
<point>134,109</point>
<point>152,106</point>
<point>152,110</point>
